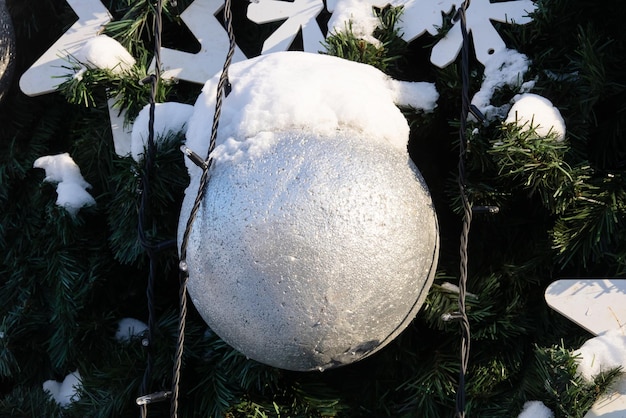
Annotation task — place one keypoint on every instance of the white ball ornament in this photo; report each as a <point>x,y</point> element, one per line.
<point>312,248</point>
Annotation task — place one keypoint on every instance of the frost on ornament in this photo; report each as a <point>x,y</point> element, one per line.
<point>316,241</point>
<point>296,90</point>
<point>532,111</point>
<point>65,392</point>
<point>71,186</point>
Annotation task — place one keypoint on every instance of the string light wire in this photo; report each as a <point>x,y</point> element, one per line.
<point>223,88</point>
<point>152,249</point>
<point>467,214</point>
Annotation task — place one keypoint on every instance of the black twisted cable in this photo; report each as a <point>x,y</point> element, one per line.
<point>467,213</point>
<point>151,248</point>
<point>222,90</point>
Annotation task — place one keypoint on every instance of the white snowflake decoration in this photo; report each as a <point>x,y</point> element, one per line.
<point>486,39</point>
<point>48,71</point>
<point>200,18</point>
<point>419,17</point>
<point>300,14</point>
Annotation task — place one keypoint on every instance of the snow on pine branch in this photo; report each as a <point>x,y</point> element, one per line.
<point>601,354</point>
<point>71,186</point>
<point>65,392</point>
<point>535,409</point>
<point>105,53</point>
<point>170,118</point>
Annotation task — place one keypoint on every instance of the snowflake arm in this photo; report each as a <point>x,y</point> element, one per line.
<point>300,14</point>
<point>200,18</point>
<point>43,76</point>
<point>420,16</point>
<point>486,39</point>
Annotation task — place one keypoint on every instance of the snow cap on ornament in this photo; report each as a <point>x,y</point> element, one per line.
<point>316,240</point>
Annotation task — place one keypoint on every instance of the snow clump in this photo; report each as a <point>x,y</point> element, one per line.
<point>532,111</point>
<point>356,15</point>
<point>170,118</point>
<point>105,53</point>
<point>601,353</point>
<point>71,186</point>
<point>64,392</point>
<point>128,328</point>
<point>535,409</point>
<point>504,69</point>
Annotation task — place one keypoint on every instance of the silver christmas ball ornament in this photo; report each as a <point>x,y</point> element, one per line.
<point>7,49</point>
<point>313,254</point>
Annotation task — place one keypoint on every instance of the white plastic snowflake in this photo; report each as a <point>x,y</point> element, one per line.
<point>300,14</point>
<point>486,39</point>
<point>419,16</point>
<point>200,18</point>
<point>46,73</point>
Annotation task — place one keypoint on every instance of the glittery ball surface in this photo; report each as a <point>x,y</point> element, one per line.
<point>315,254</point>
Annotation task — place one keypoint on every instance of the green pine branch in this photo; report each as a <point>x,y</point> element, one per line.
<point>539,165</point>
<point>135,27</point>
<point>385,56</point>
<point>560,387</point>
<point>590,230</point>
<point>89,87</point>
